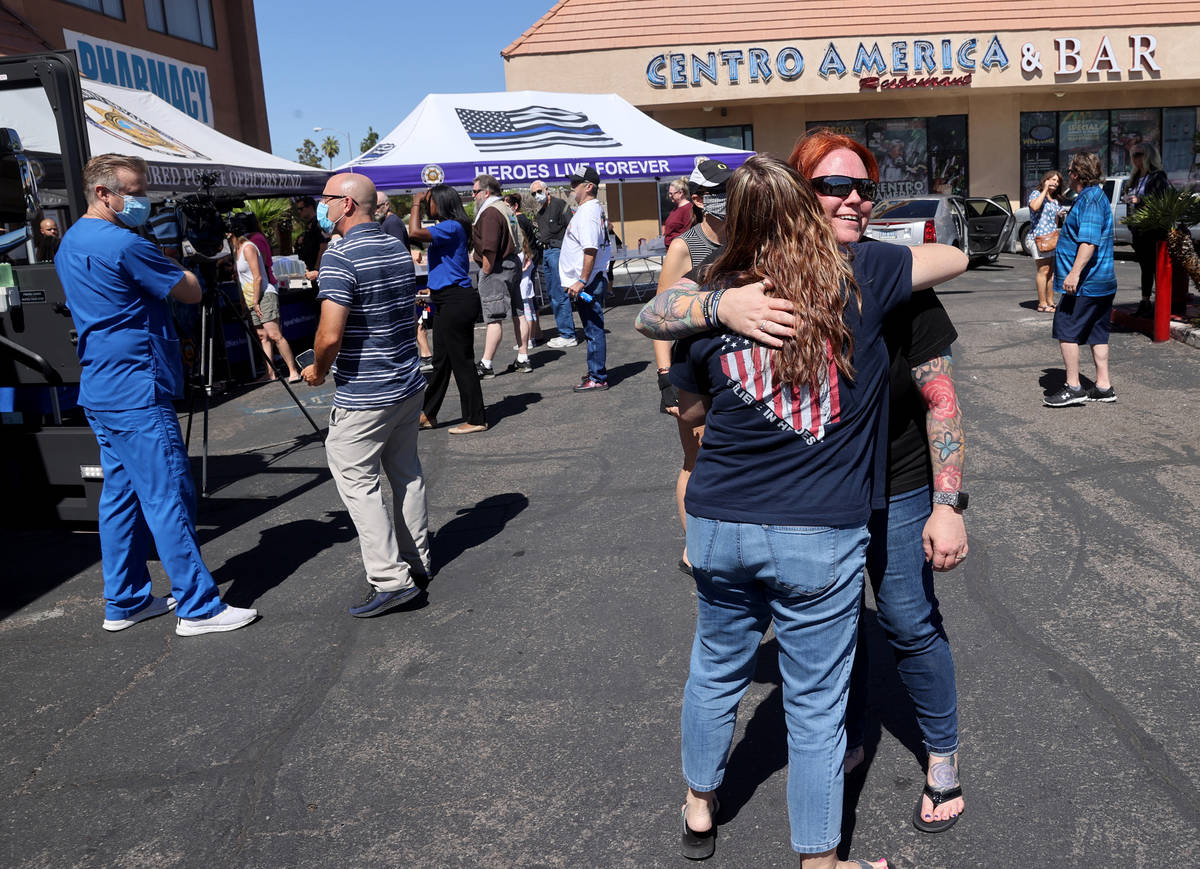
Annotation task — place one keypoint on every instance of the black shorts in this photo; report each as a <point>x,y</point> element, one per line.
<point>1083,319</point>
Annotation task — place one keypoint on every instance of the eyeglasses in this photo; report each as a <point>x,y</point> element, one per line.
<point>326,197</point>
<point>841,185</point>
<point>475,191</point>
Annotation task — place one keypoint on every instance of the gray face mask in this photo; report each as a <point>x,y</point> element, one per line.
<point>714,205</point>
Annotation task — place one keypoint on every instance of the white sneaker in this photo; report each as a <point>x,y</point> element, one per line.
<point>158,606</point>
<point>229,619</point>
<point>561,342</point>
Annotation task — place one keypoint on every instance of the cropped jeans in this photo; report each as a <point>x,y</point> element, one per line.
<point>908,614</point>
<point>808,581</point>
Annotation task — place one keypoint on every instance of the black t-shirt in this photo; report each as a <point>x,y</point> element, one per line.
<point>552,222</point>
<point>396,228</point>
<point>915,332</point>
<point>309,246</point>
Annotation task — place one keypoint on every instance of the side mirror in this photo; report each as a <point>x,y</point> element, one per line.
<point>18,186</point>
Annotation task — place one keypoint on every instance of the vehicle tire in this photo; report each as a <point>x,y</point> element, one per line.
<point>1026,239</point>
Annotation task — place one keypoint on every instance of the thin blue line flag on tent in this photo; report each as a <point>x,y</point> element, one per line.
<point>531,128</point>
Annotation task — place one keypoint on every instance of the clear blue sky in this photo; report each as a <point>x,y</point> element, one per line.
<point>352,63</point>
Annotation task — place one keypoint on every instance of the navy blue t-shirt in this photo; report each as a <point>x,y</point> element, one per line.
<point>796,455</point>
<point>448,261</point>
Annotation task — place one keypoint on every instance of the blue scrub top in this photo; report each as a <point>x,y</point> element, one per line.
<point>116,284</point>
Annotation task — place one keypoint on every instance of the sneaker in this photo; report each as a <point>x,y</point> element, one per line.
<point>378,602</point>
<point>158,606</point>
<point>1097,394</point>
<point>426,364</point>
<point>485,372</point>
<point>525,367</point>
<point>561,342</point>
<point>590,385</point>
<point>229,619</point>
<point>1066,396</point>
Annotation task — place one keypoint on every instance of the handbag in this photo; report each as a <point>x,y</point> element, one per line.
<point>1047,243</point>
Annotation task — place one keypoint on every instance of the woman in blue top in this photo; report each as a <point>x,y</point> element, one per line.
<point>777,506</point>
<point>1044,205</point>
<point>456,306</point>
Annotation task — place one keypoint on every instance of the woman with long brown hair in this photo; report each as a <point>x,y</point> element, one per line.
<point>784,484</point>
<point>1045,203</point>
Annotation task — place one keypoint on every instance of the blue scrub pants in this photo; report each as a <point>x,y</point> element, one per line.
<point>148,492</point>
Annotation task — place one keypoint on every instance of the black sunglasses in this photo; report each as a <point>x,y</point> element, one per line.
<point>841,185</point>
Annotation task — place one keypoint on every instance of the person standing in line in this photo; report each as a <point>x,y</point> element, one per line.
<point>1045,203</point>
<point>583,271</point>
<point>530,256</point>
<point>260,295</point>
<point>456,307</point>
<point>1084,273</point>
<point>697,247</point>
<point>553,215</point>
<point>313,240</point>
<point>254,234</point>
<point>47,240</point>
<point>389,222</point>
<point>117,284</point>
<point>367,338</point>
<point>1147,179</point>
<point>679,220</point>
<point>495,245</point>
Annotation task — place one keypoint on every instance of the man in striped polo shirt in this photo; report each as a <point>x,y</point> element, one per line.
<point>367,338</point>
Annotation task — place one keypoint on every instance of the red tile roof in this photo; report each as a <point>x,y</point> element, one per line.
<point>17,37</point>
<point>595,25</point>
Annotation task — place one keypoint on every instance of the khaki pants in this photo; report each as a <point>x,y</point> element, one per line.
<point>394,552</point>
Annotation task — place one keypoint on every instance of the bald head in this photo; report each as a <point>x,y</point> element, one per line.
<point>355,202</point>
<point>49,227</point>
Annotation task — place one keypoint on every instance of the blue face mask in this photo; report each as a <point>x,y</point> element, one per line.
<point>135,212</point>
<point>323,219</point>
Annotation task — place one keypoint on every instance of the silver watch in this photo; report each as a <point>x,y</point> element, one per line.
<point>957,500</point>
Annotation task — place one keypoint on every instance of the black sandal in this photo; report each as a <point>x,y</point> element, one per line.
<point>936,796</point>
<point>699,846</point>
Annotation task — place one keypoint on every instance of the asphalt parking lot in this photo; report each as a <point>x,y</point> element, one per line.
<point>526,713</point>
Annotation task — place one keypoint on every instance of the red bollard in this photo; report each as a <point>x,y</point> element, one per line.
<point>1163,279</point>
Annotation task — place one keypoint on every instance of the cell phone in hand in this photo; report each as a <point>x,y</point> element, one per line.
<point>307,358</point>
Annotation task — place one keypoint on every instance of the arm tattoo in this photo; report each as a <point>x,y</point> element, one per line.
<point>943,422</point>
<point>674,313</point>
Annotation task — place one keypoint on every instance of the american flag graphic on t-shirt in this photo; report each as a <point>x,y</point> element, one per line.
<point>806,410</point>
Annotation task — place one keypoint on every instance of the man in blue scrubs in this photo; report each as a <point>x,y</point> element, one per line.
<point>117,284</point>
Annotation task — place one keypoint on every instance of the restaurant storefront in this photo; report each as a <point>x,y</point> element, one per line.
<point>983,111</point>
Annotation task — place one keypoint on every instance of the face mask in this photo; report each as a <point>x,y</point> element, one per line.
<point>135,212</point>
<point>539,197</point>
<point>715,206</point>
<point>323,219</point>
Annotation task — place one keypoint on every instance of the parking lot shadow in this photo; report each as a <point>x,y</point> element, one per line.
<point>474,526</point>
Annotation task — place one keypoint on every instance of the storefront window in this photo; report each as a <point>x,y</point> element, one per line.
<point>187,19</point>
<point>111,8</point>
<point>740,136</point>
<point>1050,139</point>
<point>915,155</point>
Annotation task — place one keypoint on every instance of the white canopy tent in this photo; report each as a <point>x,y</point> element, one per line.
<point>184,155</point>
<point>524,136</point>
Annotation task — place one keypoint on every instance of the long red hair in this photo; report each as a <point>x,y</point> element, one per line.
<point>815,145</point>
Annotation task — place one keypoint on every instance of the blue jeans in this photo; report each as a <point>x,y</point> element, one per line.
<point>908,614</point>
<point>560,302</point>
<point>592,315</point>
<point>808,580</point>
<point>148,492</point>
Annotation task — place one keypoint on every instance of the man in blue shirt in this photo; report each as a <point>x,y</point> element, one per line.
<point>367,338</point>
<point>116,285</point>
<point>1083,273</point>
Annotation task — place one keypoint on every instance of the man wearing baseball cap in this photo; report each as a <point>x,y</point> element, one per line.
<point>583,270</point>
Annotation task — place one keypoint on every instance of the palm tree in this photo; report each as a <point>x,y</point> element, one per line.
<point>1170,214</point>
<point>330,148</point>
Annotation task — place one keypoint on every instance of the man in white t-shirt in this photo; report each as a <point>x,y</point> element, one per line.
<point>583,270</point>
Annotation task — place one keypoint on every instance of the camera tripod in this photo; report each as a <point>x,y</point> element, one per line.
<point>210,326</point>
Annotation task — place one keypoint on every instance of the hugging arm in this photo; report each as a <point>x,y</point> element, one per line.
<point>945,534</point>
<point>679,312</point>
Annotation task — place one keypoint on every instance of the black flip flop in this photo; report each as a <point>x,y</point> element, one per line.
<point>936,797</point>
<point>699,846</point>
